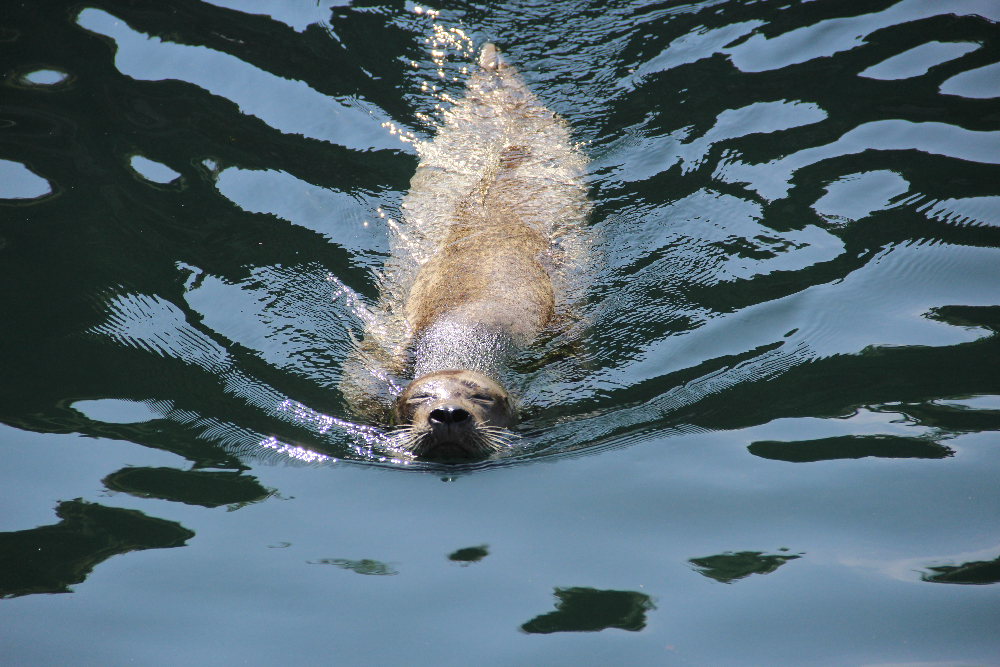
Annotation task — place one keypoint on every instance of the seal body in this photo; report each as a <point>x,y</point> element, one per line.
<point>482,263</point>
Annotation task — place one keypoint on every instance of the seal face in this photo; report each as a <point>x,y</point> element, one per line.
<point>453,414</point>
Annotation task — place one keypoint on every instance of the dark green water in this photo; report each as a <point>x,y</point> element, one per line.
<point>776,446</point>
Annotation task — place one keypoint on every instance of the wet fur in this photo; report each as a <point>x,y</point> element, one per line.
<point>483,263</point>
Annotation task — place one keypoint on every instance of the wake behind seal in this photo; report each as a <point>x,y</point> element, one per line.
<point>487,257</point>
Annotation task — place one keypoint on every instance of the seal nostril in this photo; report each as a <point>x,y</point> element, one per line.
<point>448,415</point>
<point>440,416</point>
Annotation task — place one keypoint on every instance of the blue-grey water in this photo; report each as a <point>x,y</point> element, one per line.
<point>775,443</point>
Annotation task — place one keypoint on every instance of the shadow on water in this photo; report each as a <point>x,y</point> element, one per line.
<point>191,487</point>
<point>469,555</point>
<point>590,610</point>
<point>729,567</point>
<point>50,559</point>
<point>850,447</point>
<point>974,572</point>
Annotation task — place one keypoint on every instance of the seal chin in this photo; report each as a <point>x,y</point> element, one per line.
<point>478,442</point>
<point>447,450</point>
<point>453,414</point>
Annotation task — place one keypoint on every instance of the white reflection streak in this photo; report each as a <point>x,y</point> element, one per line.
<point>757,118</point>
<point>336,215</point>
<point>293,452</point>
<point>914,569</point>
<point>288,105</point>
<point>971,211</point>
<point>769,365</point>
<point>690,48</point>
<point>302,414</point>
<point>352,300</point>
<point>826,38</point>
<point>19,182</point>
<point>772,179</point>
<point>372,437</point>
<point>644,157</point>
<point>822,39</point>
<point>856,196</point>
<point>918,60</point>
<point>322,423</point>
<point>152,324</point>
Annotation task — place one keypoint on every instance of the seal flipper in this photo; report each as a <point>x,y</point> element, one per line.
<point>490,59</point>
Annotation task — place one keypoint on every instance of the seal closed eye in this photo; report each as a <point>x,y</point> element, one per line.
<point>477,269</point>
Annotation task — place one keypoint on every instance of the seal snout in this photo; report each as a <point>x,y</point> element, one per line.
<point>452,433</point>
<point>448,414</point>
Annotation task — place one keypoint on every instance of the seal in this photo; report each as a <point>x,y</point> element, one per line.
<point>482,264</point>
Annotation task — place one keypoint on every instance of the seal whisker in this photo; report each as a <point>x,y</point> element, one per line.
<point>496,438</point>
<point>407,438</point>
<point>485,444</point>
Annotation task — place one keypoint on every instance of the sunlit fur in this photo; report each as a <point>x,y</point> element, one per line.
<point>489,254</point>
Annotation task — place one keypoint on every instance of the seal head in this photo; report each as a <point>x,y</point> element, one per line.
<point>453,414</point>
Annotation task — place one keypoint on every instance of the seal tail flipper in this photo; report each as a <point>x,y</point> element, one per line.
<point>490,59</point>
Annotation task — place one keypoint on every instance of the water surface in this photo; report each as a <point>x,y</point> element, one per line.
<point>774,444</point>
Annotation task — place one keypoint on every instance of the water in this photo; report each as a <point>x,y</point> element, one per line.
<point>773,444</point>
